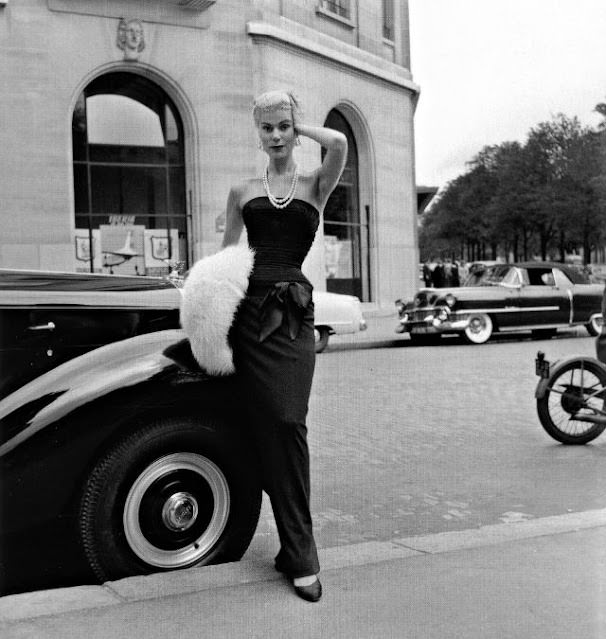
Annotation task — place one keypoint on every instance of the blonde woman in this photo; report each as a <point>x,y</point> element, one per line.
<point>273,333</point>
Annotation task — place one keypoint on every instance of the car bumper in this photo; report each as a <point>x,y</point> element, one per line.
<point>431,323</point>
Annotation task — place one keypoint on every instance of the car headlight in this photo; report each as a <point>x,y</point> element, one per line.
<point>450,300</point>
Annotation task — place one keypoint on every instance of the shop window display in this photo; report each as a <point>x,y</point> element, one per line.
<point>129,182</point>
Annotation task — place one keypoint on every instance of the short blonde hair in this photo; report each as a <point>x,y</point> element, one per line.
<point>273,100</point>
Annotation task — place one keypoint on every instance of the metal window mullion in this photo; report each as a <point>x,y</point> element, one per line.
<point>130,164</point>
<point>89,188</point>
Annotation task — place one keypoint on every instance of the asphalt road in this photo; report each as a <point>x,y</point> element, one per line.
<point>406,440</point>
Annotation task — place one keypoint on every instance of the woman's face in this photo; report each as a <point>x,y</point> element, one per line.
<point>277,133</point>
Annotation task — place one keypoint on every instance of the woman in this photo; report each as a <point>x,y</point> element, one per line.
<point>273,333</point>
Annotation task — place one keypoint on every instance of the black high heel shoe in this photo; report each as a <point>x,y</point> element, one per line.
<point>312,593</point>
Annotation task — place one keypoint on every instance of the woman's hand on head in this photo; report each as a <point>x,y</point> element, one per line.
<point>297,116</point>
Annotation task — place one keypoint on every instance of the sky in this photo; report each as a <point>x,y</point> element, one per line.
<point>490,70</point>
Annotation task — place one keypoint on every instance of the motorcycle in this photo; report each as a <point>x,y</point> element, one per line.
<point>571,395</point>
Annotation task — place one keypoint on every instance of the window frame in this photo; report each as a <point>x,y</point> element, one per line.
<point>324,9</point>
<point>388,30</point>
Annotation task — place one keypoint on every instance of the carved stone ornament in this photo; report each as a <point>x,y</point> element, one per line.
<point>130,38</point>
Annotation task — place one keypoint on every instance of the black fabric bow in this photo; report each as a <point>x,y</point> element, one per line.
<point>285,301</point>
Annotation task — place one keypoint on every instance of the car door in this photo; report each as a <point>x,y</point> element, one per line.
<point>46,326</point>
<point>26,344</point>
<point>49,318</point>
<point>544,300</point>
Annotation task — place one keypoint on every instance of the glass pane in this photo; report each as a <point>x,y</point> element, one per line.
<point>81,188</point>
<point>339,207</point>
<point>342,245</point>
<point>119,120</point>
<point>388,19</point>
<point>94,220</point>
<point>340,7</point>
<point>79,129</point>
<point>177,191</point>
<point>172,130</point>
<point>128,190</point>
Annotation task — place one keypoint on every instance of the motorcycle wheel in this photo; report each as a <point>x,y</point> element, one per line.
<point>577,389</point>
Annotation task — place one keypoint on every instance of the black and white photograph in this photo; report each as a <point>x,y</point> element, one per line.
<point>302,319</point>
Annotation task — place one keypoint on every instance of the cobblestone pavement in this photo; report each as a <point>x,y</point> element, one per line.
<point>414,440</point>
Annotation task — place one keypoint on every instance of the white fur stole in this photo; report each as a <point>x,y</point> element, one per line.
<point>212,292</point>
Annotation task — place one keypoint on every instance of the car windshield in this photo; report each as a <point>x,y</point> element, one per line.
<point>496,275</point>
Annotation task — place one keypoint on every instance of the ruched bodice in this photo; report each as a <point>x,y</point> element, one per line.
<point>281,238</point>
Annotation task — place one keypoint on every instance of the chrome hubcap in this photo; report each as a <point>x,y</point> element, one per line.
<point>180,511</point>
<point>176,510</point>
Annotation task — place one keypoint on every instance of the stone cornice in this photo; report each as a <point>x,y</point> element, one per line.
<point>260,30</point>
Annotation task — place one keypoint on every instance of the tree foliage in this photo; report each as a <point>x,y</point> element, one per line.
<point>543,198</point>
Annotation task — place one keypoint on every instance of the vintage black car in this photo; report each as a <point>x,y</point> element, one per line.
<point>108,424</point>
<point>532,296</point>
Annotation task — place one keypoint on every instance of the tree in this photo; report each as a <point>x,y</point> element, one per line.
<point>545,196</point>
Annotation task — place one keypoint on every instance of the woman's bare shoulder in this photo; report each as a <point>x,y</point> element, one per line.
<point>247,189</point>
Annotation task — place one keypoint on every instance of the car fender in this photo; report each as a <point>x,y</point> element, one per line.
<point>55,428</point>
<point>338,312</point>
<point>92,376</point>
<point>556,367</point>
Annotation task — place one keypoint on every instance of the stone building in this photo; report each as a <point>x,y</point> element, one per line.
<point>124,123</point>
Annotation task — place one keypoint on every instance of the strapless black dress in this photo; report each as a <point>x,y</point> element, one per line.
<point>274,356</point>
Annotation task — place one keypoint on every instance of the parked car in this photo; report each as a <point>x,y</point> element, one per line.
<point>336,314</point>
<point>108,424</point>
<point>532,296</point>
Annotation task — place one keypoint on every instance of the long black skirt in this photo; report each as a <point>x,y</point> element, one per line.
<point>274,380</point>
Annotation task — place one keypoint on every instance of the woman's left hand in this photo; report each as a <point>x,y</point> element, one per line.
<point>296,113</point>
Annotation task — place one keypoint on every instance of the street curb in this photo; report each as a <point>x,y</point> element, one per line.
<point>42,603</point>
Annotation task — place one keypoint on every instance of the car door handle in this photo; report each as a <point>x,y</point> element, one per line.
<point>49,326</point>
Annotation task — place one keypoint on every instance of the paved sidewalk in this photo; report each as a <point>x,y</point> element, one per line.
<point>542,578</point>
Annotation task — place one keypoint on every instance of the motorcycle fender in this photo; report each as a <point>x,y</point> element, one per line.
<point>555,368</point>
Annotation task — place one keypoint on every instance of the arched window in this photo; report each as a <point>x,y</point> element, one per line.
<point>129,177</point>
<point>346,230</point>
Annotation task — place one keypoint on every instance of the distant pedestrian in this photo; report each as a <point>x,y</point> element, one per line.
<point>451,274</point>
<point>427,274</point>
<point>438,275</point>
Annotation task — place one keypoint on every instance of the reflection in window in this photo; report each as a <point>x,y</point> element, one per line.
<point>129,184</point>
<point>115,119</point>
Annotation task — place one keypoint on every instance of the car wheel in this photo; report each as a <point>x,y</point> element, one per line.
<point>479,329</point>
<point>322,334</point>
<point>594,325</point>
<point>174,494</point>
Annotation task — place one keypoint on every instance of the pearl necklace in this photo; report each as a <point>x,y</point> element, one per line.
<point>281,202</point>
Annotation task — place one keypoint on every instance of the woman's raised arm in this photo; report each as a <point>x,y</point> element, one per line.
<point>330,171</point>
